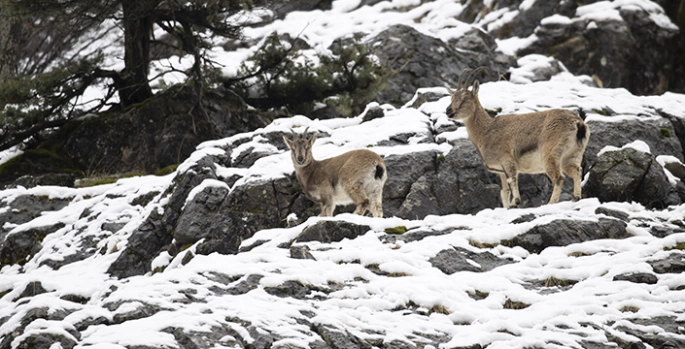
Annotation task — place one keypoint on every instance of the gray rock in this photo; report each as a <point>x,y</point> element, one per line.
<point>19,246</point>
<point>632,53</point>
<point>332,231</point>
<point>293,289</point>
<point>195,221</point>
<point>673,263</point>
<point>563,232</point>
<point>423,61</point>
<point>32,288</point>
<point>301,252</point>
<point>158,133</point>
<point>638,278</point>
<point>629,175</point>
<point>672,338</point>
<point>456,259</point>
<point>658,133</point>
<point>338,339</point>
<point>664,231</point>
<point>144,245</point>
<point>141,311</point>
<point>27,207</point>
<point>45,340</point>
<point>30,181</point>
<point>250,283</point>
<point>374,112</point>
<point>249,208</point>
<point>612,213</point>
<point>423,97</point>
<point>39,340</point>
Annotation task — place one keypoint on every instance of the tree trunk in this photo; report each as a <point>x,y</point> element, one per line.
<point>137,31</point>
<point>8,58</point>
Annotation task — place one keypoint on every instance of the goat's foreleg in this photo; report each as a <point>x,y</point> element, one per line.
<point>327,208</point>
<point>512,178</point>
<point>505,192</point>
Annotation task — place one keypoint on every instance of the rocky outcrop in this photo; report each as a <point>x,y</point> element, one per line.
<point>421,60</point>
<point>658,133</point>
<point>160,132</point>
<point>631,52</point>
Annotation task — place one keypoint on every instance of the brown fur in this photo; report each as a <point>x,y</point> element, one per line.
<point>551,141</point>
<point>355,177</point>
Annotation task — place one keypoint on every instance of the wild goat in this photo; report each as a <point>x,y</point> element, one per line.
<point>355,177</point>
<point>551,141</point>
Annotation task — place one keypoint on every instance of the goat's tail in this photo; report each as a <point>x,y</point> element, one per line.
<point>380,172</point>
<point>582,113</point>
<point>581,132</point>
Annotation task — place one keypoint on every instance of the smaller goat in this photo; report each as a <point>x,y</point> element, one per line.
<point>551,141</point>
<point>355,177</point>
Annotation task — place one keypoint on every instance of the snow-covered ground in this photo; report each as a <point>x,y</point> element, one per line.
<point>378,289</point>
<point>398,304</point>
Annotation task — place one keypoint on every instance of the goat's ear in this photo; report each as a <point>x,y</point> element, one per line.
<point>311,137</point>
<point>451,91</point>
<point>476,86</point>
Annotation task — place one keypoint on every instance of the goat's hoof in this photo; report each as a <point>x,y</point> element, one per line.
<point>575,198</point>
<point>515,203</point>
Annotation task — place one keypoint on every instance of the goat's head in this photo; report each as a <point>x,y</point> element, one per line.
<point>464,102</point>
<point>300,145</point>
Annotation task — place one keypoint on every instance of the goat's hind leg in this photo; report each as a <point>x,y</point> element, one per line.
<point>552,166</point>
<point>376,206</point>
<point>360,199</point>
<point>573,170</point>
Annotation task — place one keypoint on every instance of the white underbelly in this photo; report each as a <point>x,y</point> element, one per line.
<point>340,197</point>
<point>531,163</point>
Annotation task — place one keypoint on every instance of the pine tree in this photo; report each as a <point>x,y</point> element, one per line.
<point>39,87</point>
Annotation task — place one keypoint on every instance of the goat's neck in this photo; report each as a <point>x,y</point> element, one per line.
<point>304,173</point>
<point>478,125</point>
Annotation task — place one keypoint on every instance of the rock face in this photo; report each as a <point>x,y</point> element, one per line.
<point>421,60</point>
<point>164,132</point>
<point>149,137</point>
<point>629,49</point>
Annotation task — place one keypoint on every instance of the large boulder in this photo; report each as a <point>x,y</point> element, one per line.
<point>658,133</point>
<point>421,60</point>
<point>629,175</point>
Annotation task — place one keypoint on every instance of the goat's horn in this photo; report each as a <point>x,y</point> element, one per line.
<point>305,130</point>
<point>474,74</point>
<point>464,73</point>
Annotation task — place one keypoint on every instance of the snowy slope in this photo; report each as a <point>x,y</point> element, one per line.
<point>377,288</point>
<point>380,288</point>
